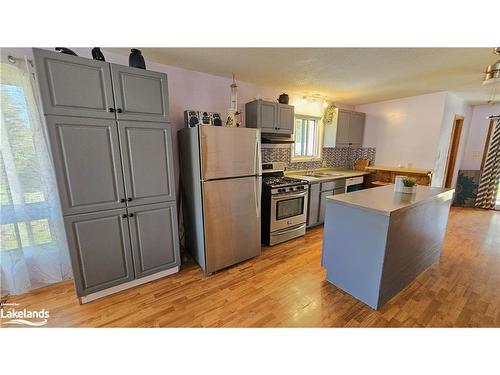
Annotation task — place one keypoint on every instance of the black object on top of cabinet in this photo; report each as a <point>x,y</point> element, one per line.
<point>97,54</point>
<point>81,87</point>
<point>136,60</point>
<point>284,98</point>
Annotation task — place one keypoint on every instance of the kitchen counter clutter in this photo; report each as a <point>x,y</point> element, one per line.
<point>376,241</point>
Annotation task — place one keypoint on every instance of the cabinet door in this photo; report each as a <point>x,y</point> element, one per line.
<point>322,205</point>
<point>343,128</point>
<point>154,238</point>
<point>86,156</point>
<point>314,196</point>
<point>268,116</point>
<point>74,86</point>
<point>147,161</point>
<point>356,128</point>
<point>99,246</point>
<point>140,94</point>
<point>286,119</point>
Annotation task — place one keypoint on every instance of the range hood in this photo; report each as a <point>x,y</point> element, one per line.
<point>276,139</point>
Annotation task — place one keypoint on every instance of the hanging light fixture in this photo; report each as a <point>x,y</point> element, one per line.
<point>492,73</point>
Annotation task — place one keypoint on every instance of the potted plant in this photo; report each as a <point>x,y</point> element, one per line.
<point>409,185</point>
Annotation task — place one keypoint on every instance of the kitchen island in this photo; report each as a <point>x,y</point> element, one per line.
<point>376,241</point>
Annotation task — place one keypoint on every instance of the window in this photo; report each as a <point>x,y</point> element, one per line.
<point>307,138</point>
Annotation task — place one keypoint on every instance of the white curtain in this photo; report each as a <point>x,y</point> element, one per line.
<point>33,249</point>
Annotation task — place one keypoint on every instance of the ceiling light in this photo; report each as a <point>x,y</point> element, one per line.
<point>492,73</point>
<point>325,103</point>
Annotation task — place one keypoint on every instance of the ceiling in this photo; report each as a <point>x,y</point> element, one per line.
<point>345,75</point>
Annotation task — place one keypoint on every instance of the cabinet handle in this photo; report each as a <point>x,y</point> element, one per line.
<point>111,110</point>
<point>131,215</point>
<point>122,200</point>
<point>124,216</point>
<point>119,110</point>
<point>129,199</point>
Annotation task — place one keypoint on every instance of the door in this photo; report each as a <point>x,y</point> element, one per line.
<point>74,86</point>
<point>229,152</point>
<point>147,161</point>
<point>99,246</point>
<point>285,119</point>
<point>456,133</point>
<point>140,94</point>
<point>231,213</point>
<point>154,238</point>
<point>356,128</point>
<point>268,116</point>
<point>87,163</point>
<point>343,128</point>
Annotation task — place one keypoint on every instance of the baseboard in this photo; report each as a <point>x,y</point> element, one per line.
<point>124,286</point>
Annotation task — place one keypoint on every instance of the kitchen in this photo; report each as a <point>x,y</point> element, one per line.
<point>233,191</point>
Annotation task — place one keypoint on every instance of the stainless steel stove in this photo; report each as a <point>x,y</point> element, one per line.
<point>284,205</point>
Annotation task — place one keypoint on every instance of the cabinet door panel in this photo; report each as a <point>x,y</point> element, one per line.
<point>322,205</point>
<point>74,86</point>
<point>154,238</point>
<point>343,128</point>
<point>314,196</point>
<point>285,119</point>
<point>99,246</point>
<point>147,161</point>
<point>87,163</point>
<point>140,94</point>
<point>268,113</point>
<point>356,128</point>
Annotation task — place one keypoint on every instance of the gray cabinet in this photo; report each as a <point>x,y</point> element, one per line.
<point>313,206</point>
<point>59,75</point>
<point>350,128</point>
<point>317,199</point>
<point>140,94</point>
<point>147,161</point>
<point>86,155</point>
<point>153,235</point>
<point>99,246</point>
<point>270,117</point>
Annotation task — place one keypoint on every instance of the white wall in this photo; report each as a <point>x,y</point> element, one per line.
<point>405,130</point>
<point>478,130</point>
<point>414,130</point>
<point>454,105</point>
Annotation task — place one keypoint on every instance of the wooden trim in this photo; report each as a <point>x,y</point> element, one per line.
<point>454,146</point>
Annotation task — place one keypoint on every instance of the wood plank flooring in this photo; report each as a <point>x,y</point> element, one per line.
<point>286,287</point>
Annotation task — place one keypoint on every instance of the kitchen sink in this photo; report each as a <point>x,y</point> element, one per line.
<point>324,174</point>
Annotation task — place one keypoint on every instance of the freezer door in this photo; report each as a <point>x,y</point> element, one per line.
<point>231,221</point>
<point>229,152</point>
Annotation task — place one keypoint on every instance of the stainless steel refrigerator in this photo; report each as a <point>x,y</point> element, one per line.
<point>221,181</point>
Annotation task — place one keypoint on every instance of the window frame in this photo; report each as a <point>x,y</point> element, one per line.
<point>318,142</point>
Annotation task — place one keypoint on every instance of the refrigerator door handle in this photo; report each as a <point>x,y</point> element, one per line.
<point>258,156</point>
<point>258,192</point>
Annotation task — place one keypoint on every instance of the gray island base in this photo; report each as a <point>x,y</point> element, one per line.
<point>376,241</point>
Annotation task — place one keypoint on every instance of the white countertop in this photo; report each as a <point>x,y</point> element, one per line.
<point>385,201</point>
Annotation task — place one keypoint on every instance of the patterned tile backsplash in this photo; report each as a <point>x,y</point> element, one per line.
<point>335,157</point>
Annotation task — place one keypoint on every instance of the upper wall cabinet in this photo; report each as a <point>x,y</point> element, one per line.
<point>74,86</point>
<point>140,94</point>
<point>270,117</point>
<point>347,131</point>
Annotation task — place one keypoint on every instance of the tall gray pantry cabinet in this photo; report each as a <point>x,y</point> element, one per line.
<point>111,143</point>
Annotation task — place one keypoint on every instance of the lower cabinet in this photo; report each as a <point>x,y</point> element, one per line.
<point>317,199</point>
<point>112,247</point>
<point>313,206</point>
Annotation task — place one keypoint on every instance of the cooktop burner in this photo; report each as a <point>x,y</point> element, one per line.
<point>280,181</point>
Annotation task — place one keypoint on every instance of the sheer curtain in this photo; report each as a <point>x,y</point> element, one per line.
<point>33,249</point>
<point>490,175</point>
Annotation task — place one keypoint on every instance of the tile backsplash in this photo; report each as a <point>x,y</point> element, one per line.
<point>335,157</point>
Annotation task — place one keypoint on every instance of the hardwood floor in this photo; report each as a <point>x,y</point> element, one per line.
<point>286,287</point>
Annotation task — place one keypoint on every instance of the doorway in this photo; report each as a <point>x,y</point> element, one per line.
<point>456,133</point>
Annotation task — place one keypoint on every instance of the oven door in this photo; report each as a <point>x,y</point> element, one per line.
<point>288,210</point>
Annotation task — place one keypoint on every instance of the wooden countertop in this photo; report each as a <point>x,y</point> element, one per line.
<point>385,201</point>
<point>399,169</point>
